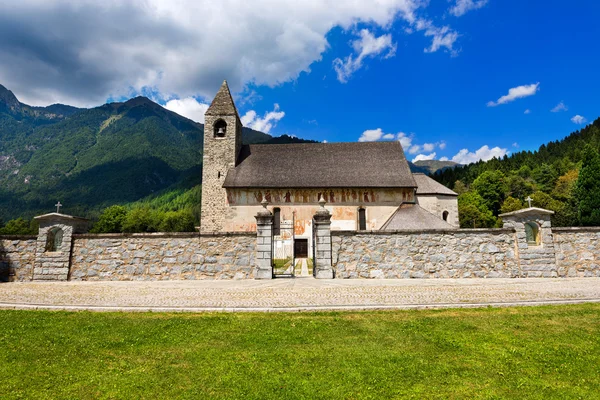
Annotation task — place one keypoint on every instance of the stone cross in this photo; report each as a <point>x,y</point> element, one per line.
<point>529,200</point>
<point>58,206</point>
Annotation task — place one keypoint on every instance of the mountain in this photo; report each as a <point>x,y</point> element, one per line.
<point>92,158</point>
<point>433,166</point>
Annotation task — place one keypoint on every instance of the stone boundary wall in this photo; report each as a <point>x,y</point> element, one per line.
<point>465,253</point>
<point>17,257</point>
<point>162,256</point>
<point>577,251</point>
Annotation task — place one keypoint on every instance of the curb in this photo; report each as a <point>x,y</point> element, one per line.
<point>373,307</point>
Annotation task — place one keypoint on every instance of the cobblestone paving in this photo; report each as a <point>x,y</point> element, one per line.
<point>299,293</point>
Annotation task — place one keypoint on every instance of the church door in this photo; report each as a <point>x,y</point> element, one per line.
<point>301,248</point>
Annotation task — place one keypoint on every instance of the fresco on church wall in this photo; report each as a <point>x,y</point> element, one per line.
<point>312,196</point>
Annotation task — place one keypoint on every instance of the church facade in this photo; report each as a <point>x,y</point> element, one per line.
<point>366,186</point>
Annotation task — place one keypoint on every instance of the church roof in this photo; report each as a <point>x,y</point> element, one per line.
<point>413,216</point>
<point>426,185</point>
<point>223,103</point>
<point>321,165</point>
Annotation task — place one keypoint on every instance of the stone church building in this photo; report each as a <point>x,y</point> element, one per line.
<point>367,186</point>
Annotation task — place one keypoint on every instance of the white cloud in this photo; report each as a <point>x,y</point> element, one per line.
<point>444,159</point>
<point>516,93</point>
<point>414,149</point>
<point>515,144</point>
<point>405,140</point>
<point>264,124</point>
<point>371,135</point>
<point>441,36</point>
<point>366,46</point>
<point>579,120</point>
<point>177,49</point>
<point>189,108</point>
<point>428,147</point>
<point>424,157</point>
<point>559,107</point>
<point>389,136</point>
<point>484,153</point>
<point>463,6</point>
<point>442,145</point>
<point>528,111</point>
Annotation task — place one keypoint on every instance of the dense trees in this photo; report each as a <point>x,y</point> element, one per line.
<point>587,188</point>
<point>562,176</point>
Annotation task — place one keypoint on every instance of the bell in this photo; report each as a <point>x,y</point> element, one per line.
<point>221,132</point>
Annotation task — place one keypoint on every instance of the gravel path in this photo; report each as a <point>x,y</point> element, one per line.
<point>296,294</point>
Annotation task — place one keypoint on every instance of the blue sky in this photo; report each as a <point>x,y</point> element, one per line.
<point>448,77</point>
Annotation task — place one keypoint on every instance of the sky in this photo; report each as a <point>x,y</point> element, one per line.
<point>457,80</point>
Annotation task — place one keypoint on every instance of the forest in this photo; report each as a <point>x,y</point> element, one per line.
<point>562,176</point>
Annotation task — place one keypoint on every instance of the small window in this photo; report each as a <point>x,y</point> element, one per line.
<point>532,233</point>
<point>54,239</point>
<point>445,216</point>
<point>362,219</point>
<point>220,128</point>
<point>276,221</point>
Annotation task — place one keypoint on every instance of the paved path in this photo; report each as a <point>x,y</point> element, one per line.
<point>296,294</point>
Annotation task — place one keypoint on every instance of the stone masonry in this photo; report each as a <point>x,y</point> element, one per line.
<point>577,251</point>
<point>162,256</point>
<point>322,262</point>
<point>17,255</point>
<point>54,265</point>
<point>219,156</point>
<point>466,253</point>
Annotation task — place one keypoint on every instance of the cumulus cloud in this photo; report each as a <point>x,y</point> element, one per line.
<point>189,108</point>
<point>406,140</point>
<point>441,36</point>
<point>264,124</point>
<point>528,111</point>
<point>444,159</point>
<point>484,153</point>
<point>424,157</point>
<point>461,7</point>
<point>579,120</point>
<point>82,52</point>
<point>367,46</point>
<point>516,93</point>
<point>559,107</point>
<point>371,135</point>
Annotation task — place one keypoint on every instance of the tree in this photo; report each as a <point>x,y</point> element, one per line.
<point>19,226</point>
<point>178,221</point>
<point>491,187</point>
<point>473,212</point>
<point>111,220</point>
<point>518,187</point>
<point>545,176</point>
<point>459,187</point>
<point>142,219</point>
<point>587,189</point>
<point>511,204</point>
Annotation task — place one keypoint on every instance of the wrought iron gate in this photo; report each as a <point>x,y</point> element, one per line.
<point>284,261</point>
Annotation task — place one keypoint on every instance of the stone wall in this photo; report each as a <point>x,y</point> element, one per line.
<point>467,253</point>
<point>162,256</point>
<point>577,251</point>
<point>17,256</point>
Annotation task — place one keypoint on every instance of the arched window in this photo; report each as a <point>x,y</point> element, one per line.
<point>276,221</point>
<point>220,128</point>
<point>532,232</point>
<point>362,219</point>
<point>54,239</point>
<point>445,216</point>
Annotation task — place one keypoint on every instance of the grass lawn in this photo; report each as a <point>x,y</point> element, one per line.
<point>521,353</point>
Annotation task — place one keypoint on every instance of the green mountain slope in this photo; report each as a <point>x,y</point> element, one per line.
<point>92,158</point>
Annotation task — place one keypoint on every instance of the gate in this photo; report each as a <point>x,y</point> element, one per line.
<point>284,260</point>
<point>314,247</point>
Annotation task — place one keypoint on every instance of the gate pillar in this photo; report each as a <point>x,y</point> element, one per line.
<point>264,243</point>
<point>322,242</point>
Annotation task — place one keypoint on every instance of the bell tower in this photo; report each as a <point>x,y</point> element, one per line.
<point>222,144</point>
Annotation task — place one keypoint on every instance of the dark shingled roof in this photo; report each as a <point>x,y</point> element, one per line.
<point>413,216</point>
<point>321,165</point>
<point>223,103</point>
<point>426,185</point>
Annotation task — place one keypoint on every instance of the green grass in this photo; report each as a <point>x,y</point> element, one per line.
<point>519,353</point>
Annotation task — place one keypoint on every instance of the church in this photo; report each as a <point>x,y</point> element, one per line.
<point>366,186</point>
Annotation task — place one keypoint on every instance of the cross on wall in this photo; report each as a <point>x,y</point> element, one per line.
<point>58,206</point>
